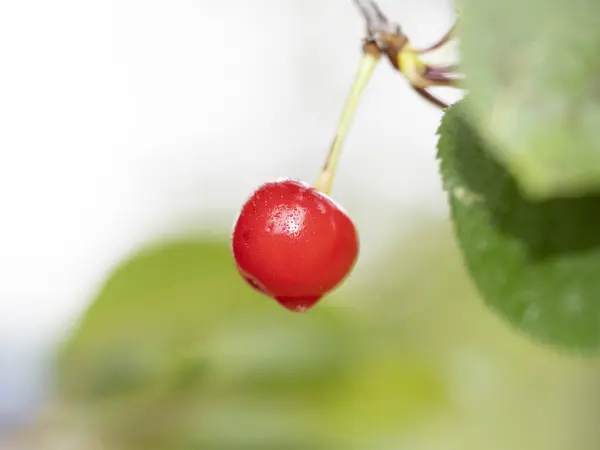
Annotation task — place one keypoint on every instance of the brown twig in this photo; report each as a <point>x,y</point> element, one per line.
<point>432,78</point>
<point>430,97</point>
<point>396,46</point>
<point>377,22</point>
<point>446,38</point>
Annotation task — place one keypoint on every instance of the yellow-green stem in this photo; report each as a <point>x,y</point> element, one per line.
<point>365,70</point>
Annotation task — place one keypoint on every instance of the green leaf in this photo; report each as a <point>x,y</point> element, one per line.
<point>536,263</point>
<point>176,332</point>
<point>177,352</point>
<point>183,304</point>
<point>410,348</point>
<point>533,73</point>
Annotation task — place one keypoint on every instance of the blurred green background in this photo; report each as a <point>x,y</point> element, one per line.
<point>178,353</point>
<point>117,133</point>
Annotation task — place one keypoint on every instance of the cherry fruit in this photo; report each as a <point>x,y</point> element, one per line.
<point>293,243</point>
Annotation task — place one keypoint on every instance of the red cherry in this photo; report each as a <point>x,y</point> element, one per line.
<point>293,243</point>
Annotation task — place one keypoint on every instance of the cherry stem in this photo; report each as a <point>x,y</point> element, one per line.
<point>367,65</point>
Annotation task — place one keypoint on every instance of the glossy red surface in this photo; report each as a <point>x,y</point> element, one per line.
<point>293,243</point>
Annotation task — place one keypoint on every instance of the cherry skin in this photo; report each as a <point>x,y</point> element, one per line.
<point>293,243</point>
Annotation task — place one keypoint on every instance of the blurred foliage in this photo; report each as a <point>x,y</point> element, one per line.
<point>536,263</point>
<point>178,353</point>
<point>177,341</point>
<point>533,73</point>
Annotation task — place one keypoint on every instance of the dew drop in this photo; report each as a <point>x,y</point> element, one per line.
<point>286,220</point>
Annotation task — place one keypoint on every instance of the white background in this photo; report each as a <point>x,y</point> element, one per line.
<point>121,120</point>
